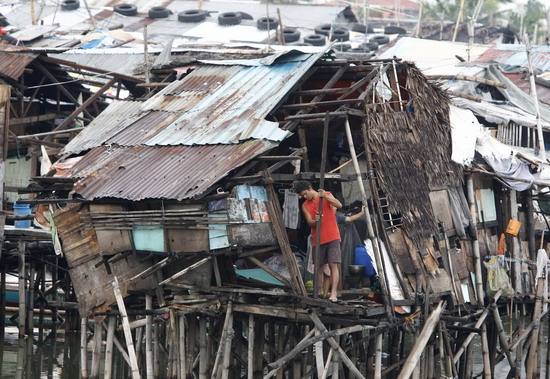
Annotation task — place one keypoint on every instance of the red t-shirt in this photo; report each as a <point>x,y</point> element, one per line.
<point>329,227</point>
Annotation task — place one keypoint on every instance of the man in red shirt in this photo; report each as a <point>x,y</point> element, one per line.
<point>329,249</point>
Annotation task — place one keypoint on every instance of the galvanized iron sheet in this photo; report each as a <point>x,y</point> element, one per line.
<point>13,65</point>
<point>515,55</point>
<point>143,172</point>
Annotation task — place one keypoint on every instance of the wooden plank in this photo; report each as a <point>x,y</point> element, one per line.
<point>442,207</point>
<point>260,234</point>
<point>111,241</point>
<point>401,250</point>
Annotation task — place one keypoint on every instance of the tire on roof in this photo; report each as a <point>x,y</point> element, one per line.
<point>380,40</point>
<point>360,28</point>
<point>246,16</point>
<point>159,12</point>
<point>192,15</point>
<point>291,34</point>
<point>315,40</point>
<point>125,9</point>
<point>70,5</point>
<point>323,29</point>
<point>229,18</point>
<point>340,34</point>
<point>394,30</point>
<point>265,23</point>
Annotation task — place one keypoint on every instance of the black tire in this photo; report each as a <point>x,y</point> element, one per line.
<point>246,16</point>
<point>360,28</point>
<point>323,29</point>
<point>70,5</point>
<point>125,9</point>
<point>315,40</point>
<point>394,30</point>
<point>159,12</point>
<point>192,15</point>
<point>291,34</point>
<point>380,40</point>
<point>229,18</point>
<point>340,34</point>
<point>265,23</point>
<point>342,46</point>
<point>372,46</point>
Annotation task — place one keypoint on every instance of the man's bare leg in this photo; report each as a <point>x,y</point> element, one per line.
<point>334,279</point>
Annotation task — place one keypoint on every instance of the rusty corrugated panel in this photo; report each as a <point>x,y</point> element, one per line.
<point>515,55</point>
<point>143,128</point>
<point>167,172</point>
<point>522,82</point>
<point>13,65</point>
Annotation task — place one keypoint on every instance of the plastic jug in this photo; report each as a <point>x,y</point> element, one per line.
<point>363,258</point>
<point>22,210</point>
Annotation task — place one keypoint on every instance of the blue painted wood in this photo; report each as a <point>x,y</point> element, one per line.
<point>149,239</point>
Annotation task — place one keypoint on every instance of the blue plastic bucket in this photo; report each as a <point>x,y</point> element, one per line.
<point>22,210</point>
<point>363,258</point>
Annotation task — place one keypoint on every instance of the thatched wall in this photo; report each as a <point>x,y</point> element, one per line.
<point>413,153</point>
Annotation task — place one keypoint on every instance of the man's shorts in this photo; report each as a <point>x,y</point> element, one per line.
<point>330,252</point>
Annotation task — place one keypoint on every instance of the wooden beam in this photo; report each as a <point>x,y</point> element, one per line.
<point>321,104</point>
<point>60,86</point>
<point>31,119</point>
<point>82,108</point>
<point>53,132</point>
<point>467,78</point>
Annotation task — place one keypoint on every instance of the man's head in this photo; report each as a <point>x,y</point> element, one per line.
<point>304,189</point>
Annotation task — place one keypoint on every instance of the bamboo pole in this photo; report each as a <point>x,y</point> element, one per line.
<point>156,351</point>
<point>475,243</point>
<point>185,270</point>
<point>532,360</point>
<point>203,360</point>
<point>502,336</point>
<point>485,350</point>
<point>477,325</point>
<point>127,331</point>
<point>182,347</point>
<point>327,365</point>
<point>30,307</point>
<point>370,229</point>
<point>148,338</point>
<point>96,352</point>
<point>227,324</point>
<point>458,19</point>
<point>421,342</point>
<point>228,343</point>
<point>83,348</point>
<point>108,368</point>
<point>542,150</point>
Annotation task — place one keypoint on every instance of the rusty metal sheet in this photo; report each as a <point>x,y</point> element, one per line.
<point>521,80</point>
<point>13,65</point>
<point>515,55</point>
<point>32,32</point>
<point>168,172</point>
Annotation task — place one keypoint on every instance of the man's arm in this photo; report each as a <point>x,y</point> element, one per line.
<point>331,199</point>
<point>356,216</point>
<point>310,220</point>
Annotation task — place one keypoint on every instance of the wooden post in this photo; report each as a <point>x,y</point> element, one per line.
<point>2,298</point>
<point>146,55</point>
<point>149,337</point>
<point>421,342</point>
<point>30,306</point>
<point>96,354</point>
<point>228,343</point>
<point>22,290</point>
<point>458,19</point>
<point>84,347</point>
<point>378,358</point>
<point>156,352</point>
<point>250,336</point>
<point>281,28</point>
<point>485,350</point>
<point>227,325</point>
<point>532,360</point>
<point>108,369</point>
<point>127,331</point>
<point>502,336</point>
<point>542,150</point>
<point>182,347</point>
<point>203,360</point>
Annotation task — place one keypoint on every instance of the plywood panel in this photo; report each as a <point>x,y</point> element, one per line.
<point>260,234</point>
<point>442,208</point>
<point>400,249</point>
<point>200,276</point>
<point>112,241</point>
<point>187,241</point>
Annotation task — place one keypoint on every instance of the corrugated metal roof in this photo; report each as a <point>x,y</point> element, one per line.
<point>515,55</point>
<point>521,80</point>
<point>13,65</point>
<point>106,60</point>
<point>174,172</point>
<point>214,105</point>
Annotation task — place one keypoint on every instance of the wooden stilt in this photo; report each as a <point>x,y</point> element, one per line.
<point>22,290</point>
<point>96,352</point>
<point>227,325</point>
<point>42,281</point>
<point>148,338</point>
<point>203,360</point>
<point>485,350</point>
<point>250,336</point>
<point>156,352</point>
<point>421,342</point>
<point>30,307</point>
<point>4,268</point>
<point>182,347</point>
<point>127,331</point>
<point>378,358</point>
<point>532,359</point>
<point>327,365</point>
<point>228,343</point>
<point>502,336</point>
<point>84,347</point>
<point>319,356</point>
<point>108,368</point>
